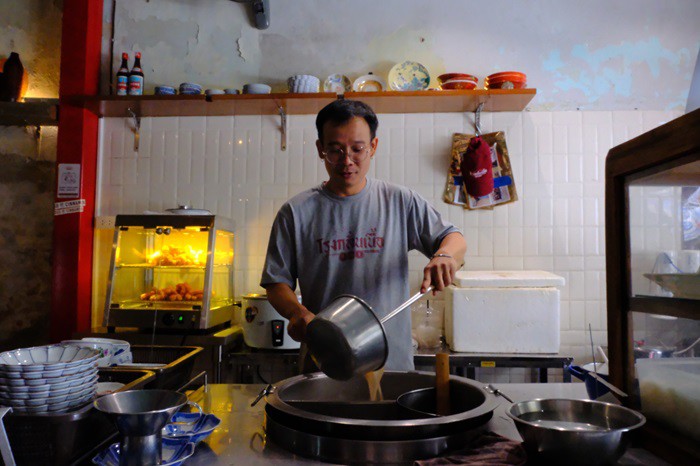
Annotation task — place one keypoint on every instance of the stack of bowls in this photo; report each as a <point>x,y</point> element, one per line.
<point>506,80</point>
<point>48,379</point>
<point>303,83</point>
<point>190,89</point>
<point>463,81</point>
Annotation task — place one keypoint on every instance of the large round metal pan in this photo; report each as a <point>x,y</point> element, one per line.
<point>318,405</point>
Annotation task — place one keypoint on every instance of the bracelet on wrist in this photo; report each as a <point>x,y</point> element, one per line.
<point>441,255</point>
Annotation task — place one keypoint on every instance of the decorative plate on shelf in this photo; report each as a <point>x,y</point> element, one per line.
<point>338,83</point>
<point>369,83</point>
<point>409,76</point>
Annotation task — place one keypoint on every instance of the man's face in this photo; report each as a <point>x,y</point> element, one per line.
<point>347,151</point>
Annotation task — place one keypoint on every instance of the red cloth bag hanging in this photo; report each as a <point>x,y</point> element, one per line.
<point>477,171</point>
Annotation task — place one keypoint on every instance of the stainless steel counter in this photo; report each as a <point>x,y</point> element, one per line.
<point>240,438</point>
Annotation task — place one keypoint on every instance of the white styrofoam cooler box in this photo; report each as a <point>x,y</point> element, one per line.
<point>503,312</point>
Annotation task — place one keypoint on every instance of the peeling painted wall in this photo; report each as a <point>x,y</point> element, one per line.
<point>31,28</point>
<point>593,55</point>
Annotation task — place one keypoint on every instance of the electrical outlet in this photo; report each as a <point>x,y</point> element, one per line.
<point>105,222</point>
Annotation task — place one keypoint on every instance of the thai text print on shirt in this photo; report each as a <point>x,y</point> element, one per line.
<point>351,246</point>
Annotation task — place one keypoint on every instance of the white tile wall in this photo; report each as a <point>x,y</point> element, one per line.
<point>234,167</point>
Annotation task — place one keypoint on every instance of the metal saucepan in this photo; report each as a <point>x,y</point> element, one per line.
<point>347,338</point>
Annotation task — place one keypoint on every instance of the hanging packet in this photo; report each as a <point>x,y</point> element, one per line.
<point>476,196</point>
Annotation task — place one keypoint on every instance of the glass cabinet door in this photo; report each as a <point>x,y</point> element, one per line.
<point>664,229</point>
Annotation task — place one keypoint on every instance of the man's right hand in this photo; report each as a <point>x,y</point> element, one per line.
<point>283,299</point>
<point>297,325</point>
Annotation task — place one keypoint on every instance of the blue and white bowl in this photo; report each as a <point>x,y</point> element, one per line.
<point>165,90</point>
<point>175,452</point>
<point>190,89</point>
<point>50,357</point>
<point>194,427</point>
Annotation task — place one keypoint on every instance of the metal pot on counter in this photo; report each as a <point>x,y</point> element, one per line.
<point>263,326</point>
<point>316,416</point>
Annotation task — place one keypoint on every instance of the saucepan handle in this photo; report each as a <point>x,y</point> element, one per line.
<point>410,301</point>
<point>264,392</point>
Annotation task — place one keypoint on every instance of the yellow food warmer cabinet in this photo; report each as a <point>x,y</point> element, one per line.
<point>171,272</point>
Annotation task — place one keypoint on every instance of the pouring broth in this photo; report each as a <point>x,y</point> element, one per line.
<point>374,379</point>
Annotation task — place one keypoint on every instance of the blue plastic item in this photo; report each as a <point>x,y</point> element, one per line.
<point>594,388</point>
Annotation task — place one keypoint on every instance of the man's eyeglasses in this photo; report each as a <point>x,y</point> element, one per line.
<point>336,155</point>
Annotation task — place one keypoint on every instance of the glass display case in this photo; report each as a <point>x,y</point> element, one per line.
<point>170,272</point>
<point>653,282</point>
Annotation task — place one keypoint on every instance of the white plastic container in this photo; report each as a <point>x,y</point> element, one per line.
<point>503,312</point>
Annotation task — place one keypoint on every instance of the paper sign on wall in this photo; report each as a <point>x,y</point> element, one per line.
<point>68,180</point>
<point>69,207</point>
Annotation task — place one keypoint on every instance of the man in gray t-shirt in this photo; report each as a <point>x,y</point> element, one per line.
<point>352,235</point>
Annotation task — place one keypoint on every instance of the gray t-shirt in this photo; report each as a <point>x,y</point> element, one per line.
<point>357,245</point>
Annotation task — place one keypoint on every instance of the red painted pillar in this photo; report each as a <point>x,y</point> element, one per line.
<point>76,169</point>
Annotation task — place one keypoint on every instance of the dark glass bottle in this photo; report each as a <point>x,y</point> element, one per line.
<point>12,73</point>
<point>123,76</point>
<point>136,77</point>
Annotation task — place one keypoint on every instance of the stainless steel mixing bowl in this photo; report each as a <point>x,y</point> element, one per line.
<point>574,432</point>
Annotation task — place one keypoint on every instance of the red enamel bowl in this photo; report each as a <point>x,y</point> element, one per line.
<point>458,84</point>
<point>462,76</point>
<point>509,75</point>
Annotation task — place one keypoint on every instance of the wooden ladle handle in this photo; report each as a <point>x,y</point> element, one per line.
<point>442,384</point>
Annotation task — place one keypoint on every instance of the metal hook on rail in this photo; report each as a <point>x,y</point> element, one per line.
<point>477,119</point>
<point>137,128</point>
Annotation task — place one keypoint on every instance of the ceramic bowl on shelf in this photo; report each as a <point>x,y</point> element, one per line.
<point>506,80</point>
<point>256,88</point>
<point>462,84</point>
<point>461,76</point>
<point>190,89</point>
<point>303,83</point>
<point>165,90</point>
<point>369,83</point>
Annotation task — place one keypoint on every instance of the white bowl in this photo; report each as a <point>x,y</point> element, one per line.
<point>256,88</point>
<point>49,357</point>
<point>105,348</point>
<point>35,382</point>
<point>58,407</point>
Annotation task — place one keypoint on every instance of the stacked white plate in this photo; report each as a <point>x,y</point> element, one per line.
<point>48,379</point>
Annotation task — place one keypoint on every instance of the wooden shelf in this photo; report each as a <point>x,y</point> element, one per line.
<point>31,112</point>
<point>496,100</point>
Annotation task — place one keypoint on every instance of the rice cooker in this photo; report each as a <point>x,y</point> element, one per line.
<point>263,326</point>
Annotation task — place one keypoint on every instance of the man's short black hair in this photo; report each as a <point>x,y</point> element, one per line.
<point>341,111</point>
